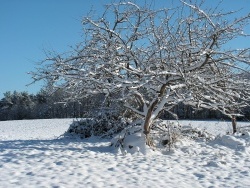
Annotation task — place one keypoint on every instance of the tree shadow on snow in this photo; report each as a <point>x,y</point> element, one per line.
<point>14,147</point>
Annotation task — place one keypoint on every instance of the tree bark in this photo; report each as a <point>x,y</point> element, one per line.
<point>234,124</point>
<point>148,118</point>
<point>148,122</point>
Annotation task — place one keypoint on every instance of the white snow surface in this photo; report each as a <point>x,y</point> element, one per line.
<point>33,154</point>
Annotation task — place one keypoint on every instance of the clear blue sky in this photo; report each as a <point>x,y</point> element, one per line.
<point>27,27</point>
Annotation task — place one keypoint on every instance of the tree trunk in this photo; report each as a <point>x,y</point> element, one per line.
<point>234,124</point>
<point>148,121</point>
<point>148,118</point>
<point>147,125</point>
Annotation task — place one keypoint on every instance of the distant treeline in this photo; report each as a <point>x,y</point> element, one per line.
<point>22,105</point>
<point>44,105</point>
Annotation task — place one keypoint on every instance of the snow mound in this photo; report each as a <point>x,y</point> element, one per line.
<point>240,142</point>
<point>130,141</point>
<point>165,140</point>
<point>232,141</point>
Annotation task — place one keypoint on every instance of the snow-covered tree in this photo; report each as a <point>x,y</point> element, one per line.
<point>16,105</point>
<point>152,60</point>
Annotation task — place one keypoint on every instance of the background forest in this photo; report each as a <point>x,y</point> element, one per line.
<point>45,105</point>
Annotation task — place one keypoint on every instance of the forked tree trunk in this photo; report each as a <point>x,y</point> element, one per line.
<point>234,124</point>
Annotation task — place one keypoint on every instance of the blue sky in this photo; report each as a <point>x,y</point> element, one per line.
<point>29,27</point>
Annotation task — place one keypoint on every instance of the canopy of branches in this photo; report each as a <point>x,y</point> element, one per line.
<point>152,60</point>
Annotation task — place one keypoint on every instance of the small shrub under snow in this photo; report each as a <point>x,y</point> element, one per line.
<point>104,125</point>
<point>164,135</point>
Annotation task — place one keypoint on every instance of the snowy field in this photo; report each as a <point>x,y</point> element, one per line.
<point>32,154</point>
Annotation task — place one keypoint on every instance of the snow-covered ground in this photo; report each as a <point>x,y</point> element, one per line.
<point>32,154</point>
